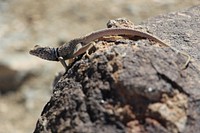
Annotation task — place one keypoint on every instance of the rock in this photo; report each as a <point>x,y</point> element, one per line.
<point>13,72</point>
<point>16,68</point>
<point>124,87</point>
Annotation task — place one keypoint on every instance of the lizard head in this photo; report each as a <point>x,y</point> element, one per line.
<point>46,53</point>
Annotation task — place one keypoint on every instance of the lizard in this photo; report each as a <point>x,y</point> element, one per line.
<point>81,45</point>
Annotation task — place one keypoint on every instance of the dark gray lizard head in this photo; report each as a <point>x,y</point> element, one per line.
<point>46,53</point>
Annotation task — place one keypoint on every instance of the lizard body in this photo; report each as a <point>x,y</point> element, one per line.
<point>80,45</point>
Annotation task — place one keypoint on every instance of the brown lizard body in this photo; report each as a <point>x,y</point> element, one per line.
<point>80,45</point>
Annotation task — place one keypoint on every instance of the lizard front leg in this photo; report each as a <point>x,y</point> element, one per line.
<point>79,49</point>
<point>62,61</point>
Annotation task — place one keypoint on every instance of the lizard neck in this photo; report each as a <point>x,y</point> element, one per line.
<point>54,55</point>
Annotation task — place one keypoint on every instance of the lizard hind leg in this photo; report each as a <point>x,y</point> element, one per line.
<point>92,44</point>
<point>184,54</point>
<point>83,49</point>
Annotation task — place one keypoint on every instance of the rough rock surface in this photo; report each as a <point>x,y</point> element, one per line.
<point>131,85</point>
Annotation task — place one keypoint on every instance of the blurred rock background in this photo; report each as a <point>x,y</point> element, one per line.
<point>25,81</point>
